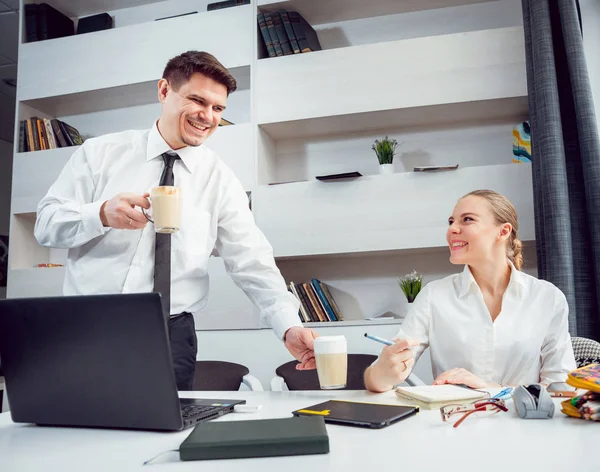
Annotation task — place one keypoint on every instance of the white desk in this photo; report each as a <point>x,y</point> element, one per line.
<point>498,444</point>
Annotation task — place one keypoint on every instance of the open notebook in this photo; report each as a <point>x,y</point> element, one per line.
<point>430,397</point>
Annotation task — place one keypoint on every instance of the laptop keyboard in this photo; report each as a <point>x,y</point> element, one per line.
<point>188,411</point>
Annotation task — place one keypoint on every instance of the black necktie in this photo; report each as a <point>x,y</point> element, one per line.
<point>162,246</point>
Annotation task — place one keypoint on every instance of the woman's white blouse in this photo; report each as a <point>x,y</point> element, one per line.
<point>528,342</point>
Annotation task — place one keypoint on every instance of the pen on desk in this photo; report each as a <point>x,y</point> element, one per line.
<point>378,339</point>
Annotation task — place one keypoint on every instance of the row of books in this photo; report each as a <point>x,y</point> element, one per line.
<point>316,302</point>
<point>42,21</point>
<point>287,32</point>
<point>38,134</point>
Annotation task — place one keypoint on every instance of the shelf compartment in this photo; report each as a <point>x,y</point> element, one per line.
<point>430,74</point>
<point>146,56</point>
<point>381,213</point>
<point>318,12</point>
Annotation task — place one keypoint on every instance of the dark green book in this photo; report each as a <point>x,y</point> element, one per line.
<point>256,438</point>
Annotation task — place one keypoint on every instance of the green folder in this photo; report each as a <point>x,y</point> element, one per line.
<point>255,438</point>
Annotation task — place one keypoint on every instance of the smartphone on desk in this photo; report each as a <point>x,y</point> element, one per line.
<point>561,389</point>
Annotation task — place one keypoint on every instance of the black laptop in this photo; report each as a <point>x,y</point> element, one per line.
<point>95,361</point>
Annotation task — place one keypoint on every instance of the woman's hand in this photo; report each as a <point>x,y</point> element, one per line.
<point>462,376</point>
<point>393,366</point>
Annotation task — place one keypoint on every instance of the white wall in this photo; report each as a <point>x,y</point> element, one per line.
<point>590,13</point>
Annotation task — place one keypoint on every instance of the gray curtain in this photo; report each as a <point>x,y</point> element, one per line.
<point>566,159</point>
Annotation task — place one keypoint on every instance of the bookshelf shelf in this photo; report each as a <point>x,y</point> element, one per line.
<point>36,282</point>
<point>147,53</point>
<point>318,12</point>
<point>111,98</point>
<point>514,108</point>
<point>435,71</point>
<point>353,216</point>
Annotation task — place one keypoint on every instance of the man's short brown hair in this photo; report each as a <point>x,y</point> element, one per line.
<point>181,68</point>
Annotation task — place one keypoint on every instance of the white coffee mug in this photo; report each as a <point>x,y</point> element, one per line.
<point>166,209</point>
<point>331,355</point>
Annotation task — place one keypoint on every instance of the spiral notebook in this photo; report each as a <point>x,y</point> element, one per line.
<point>430,397</point>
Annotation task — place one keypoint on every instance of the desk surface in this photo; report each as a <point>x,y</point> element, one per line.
<point>421,443</point>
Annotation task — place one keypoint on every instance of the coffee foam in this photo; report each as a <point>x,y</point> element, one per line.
<point>165,190</point>
<point>331,345</point>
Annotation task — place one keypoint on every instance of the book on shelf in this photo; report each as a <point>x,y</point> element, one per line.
<point>226,4</point>
<point>287,32</point>
<point>38,134</point>
<point>307,37</point>
<point>264,31</point>
<point>316,302</point>
<point>273,33</point>
<point>282,35</point>
<point>43,21</point>
<point>287,24</point>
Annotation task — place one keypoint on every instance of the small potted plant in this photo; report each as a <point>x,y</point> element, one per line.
<point>385,151</point>
<point>411,285</point>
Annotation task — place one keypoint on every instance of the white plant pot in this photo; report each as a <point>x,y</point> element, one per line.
<point>385,169</point>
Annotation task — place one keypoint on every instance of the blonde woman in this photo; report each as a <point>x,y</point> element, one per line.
<point>489,326</point>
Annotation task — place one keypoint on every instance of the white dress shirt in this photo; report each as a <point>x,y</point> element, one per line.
<point>528,342</point>
<point>215,214</point>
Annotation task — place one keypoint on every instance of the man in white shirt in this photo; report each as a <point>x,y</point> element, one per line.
<point>91,210</point>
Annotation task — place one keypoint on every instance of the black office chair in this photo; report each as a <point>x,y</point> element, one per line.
<point>223,376</point>
<point>587,351</point>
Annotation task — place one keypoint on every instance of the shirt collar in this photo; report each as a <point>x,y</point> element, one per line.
<point>516,282</point>
<point>157,146</point>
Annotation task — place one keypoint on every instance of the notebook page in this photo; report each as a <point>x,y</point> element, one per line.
<point>439,393</point>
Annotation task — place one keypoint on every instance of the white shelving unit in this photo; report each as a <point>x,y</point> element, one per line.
<point>446,78</point>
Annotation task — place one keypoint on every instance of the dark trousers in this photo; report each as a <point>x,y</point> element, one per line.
<point>184,348</point>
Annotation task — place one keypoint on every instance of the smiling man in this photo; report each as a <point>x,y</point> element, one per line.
<point>94,211</point>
